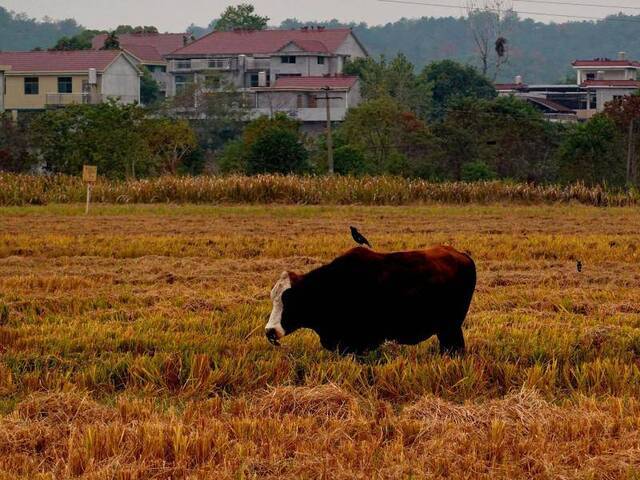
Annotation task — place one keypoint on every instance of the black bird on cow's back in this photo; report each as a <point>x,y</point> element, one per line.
<point>579,266</point>
<point>359,238</point>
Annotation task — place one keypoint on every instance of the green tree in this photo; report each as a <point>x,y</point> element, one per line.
<point>450,80</point>
<point>593,152</point>
<point>241,16</point>
<point>20,32</point>
<point>108,135</point>
<point>111,42</point>
<point>395,79</point>
<point>81,41</point>
<point>477,171</point>
<point>15,154</point>
<point>391,139</point>
<point>170,142</point>
<point>507,134</point>
<point>277,150</point>
<point>625,113</point>
<point>219,108</point>
<point>349,160</point>
<point>149,88</point>
<point>273,135</point>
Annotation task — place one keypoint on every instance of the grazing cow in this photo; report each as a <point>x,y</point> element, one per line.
<point>364,298</point>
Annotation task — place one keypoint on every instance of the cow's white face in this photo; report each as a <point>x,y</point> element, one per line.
<point>275,320</point>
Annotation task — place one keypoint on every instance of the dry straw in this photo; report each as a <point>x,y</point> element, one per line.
<point>384,190</point>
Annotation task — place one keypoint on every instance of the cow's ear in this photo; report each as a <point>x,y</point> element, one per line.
<point>294,278</point>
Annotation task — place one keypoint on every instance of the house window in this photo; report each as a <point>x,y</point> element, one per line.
<point>65,85</point>
<point>31,85</point>
<point>183,65</point>
<point>320,60</point>
<point>591,76</point>
<point>255,80</point>
<point>219,63</point>
<point>288,59</point>
<point>183,82</point>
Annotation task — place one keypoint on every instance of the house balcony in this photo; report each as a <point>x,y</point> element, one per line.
<point>55,100</point>
<point>257,64</point>
<point>203,64</point>
<point>64,99</point>
<point>318,114</point>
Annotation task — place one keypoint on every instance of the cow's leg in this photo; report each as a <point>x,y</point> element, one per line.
<point>451,341</point>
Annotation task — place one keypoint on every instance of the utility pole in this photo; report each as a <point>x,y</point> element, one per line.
<point>630,151</point>
<point>327,99</point>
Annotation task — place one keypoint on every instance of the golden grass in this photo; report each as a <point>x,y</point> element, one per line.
<point>266,189</point>
<point>131,346</point>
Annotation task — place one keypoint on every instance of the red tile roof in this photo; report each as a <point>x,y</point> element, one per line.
<point>262,41</point>
<point>316,83</point>
<point>144,53</point>
<point>612,83</point>
<point>605,62</point>
<point>163,43</point>
<point>53,61</point>
<point>310,46</point>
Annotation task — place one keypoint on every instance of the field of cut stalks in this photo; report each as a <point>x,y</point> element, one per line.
<point>268,189</point>
<point>132,345</point>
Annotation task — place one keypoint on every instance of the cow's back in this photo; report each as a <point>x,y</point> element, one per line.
<point>403,296</point>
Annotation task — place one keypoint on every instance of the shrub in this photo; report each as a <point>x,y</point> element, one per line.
<point>277,150</point>
<point>349,160</point>
<point>477,171</point>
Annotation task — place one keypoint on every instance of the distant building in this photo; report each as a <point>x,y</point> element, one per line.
<point>599,81</point>
<point>281,70</point>
<point>149,50</point>
<point>607,79</point>
<point>304,98</point>
<point>50,79</point>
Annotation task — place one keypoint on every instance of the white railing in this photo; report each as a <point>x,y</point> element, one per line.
<point>63,99</point>
<point>198,64</point>
<point>305,114</point>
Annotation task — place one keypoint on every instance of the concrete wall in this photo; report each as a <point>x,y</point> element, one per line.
<point>121,80</point>
<point>604,95</point>
<point>351,48</point>
<point>281,101</point>
<point>306,66</point>
<point>617,74</point>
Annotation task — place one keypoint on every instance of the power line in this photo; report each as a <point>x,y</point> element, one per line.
<point>520,12</point>
<point>597,5</point>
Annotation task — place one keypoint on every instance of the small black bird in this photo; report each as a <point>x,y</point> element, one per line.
<point>579,266</point>
<point>359,238</point>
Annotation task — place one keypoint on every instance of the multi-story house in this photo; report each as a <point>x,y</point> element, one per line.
<point>599,81</point>
<point>49,79</point>
<point>280,70</point>
<point>149,50</point>
<point>607,79</point>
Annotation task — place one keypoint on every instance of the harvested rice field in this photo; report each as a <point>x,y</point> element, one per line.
<point>132,346</point>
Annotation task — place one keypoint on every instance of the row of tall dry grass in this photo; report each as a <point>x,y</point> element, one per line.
<point>40,189</point>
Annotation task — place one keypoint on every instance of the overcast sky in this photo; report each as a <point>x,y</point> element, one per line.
<point>172,15</point>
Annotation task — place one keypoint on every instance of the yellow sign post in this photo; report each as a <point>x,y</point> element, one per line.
<point>90,177</point>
